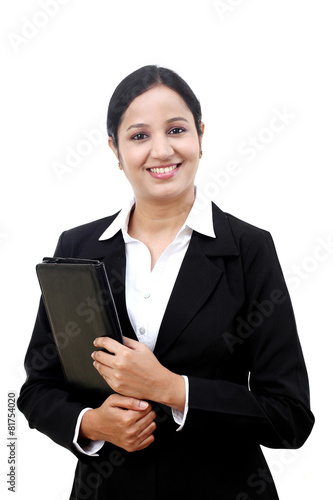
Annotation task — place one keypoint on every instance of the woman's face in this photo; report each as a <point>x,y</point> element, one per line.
<point>158,145</point>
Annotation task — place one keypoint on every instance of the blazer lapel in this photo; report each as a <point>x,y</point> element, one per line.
<point>197,279</point>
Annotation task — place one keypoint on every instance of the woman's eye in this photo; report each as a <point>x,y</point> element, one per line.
<point>176,130</point>
<point>139,137</point>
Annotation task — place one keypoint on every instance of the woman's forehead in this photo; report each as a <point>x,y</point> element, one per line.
<point>159,102</point>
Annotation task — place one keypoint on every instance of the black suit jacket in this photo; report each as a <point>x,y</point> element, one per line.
<point>228,326</point>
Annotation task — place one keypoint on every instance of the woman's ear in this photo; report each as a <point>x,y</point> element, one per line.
<point>113,147</point>
<point>115,150</point>
<point>202,126</point>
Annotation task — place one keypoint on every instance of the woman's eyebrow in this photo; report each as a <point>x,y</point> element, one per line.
<point>170,120</point>
<point>137,125</point>
<point>177,119</point>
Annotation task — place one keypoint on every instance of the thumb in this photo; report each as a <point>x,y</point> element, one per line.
<point>127,403</point>
<point>131,343</point>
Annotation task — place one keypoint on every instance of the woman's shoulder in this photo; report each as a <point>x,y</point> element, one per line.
<point>244,234</point>
<point>74,239</point>
<point>238,226</point>
<point>92,227</point>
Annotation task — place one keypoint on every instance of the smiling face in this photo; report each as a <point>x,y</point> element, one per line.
<point>158,145</point>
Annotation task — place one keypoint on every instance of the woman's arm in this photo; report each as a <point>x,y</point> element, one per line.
<point>272,407</point>
<point>52,407</point>
<point>271,404</point>
<point>133,370</point>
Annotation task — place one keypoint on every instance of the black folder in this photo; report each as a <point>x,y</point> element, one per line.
<point>80,307</point>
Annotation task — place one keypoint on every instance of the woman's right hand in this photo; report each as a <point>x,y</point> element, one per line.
<point>123,421</point>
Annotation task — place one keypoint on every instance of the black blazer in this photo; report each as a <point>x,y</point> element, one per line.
<point>229,326</point>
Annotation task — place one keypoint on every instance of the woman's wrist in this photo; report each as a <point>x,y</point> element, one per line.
<point>87,426</point>
<point>174,393</point>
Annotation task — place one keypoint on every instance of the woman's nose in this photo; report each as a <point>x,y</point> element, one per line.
<point>161,148</point>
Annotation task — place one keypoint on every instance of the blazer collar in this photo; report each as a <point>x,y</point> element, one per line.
<point>224,244</point>
<point>198,276</point>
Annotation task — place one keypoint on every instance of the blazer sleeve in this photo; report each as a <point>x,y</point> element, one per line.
<point>44,398</point>
<point>273,408</point>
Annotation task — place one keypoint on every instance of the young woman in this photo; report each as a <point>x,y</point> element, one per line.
<point>212,366</point>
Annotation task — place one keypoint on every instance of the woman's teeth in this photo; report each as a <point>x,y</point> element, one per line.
<point>163,170</point>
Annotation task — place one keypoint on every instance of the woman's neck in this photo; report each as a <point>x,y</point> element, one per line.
<point>151,217</point>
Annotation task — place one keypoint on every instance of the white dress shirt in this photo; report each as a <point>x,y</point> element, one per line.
<point>148,290</point>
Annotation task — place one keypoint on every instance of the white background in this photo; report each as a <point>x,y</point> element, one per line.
<point>244,60</point>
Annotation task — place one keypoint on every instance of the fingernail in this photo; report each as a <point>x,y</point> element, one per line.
<point>143,404</point>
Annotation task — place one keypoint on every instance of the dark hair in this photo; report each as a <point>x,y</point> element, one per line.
<point>140,81</point>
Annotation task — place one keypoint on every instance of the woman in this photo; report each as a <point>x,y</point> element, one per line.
<point>211,367</point>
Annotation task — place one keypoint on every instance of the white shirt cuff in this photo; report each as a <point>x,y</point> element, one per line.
<point>92,447</point>
<point>179,416</point>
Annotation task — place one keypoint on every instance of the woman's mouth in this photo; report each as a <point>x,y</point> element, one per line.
<point>164,172</point>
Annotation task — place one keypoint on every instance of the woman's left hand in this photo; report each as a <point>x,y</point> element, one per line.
<point>133,370</point>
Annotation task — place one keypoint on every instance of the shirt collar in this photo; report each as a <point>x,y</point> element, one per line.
<point>200,219</point>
